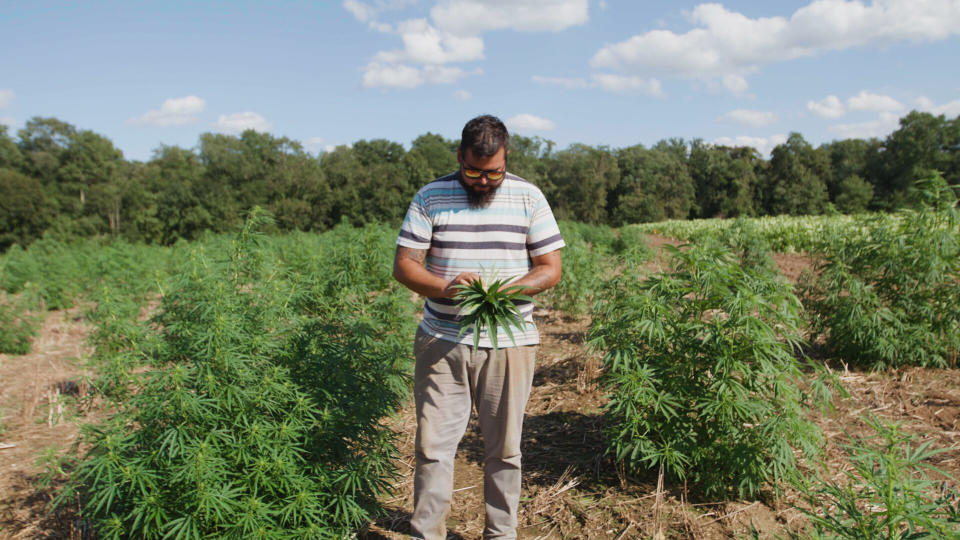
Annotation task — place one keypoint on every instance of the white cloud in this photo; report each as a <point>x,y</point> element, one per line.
<point>606,81</point>
<point>887,123</point>
<point>950,110</point>
<point>735,84</point>
<point>425,44</point>
<point>462,95</point>
<point>828,107</point>
<point>6,98</point>
<point>627,83</point>
<point>406,76</point>
<point>746,117</point>
<point>764,145</point>
<point>173,112</point>
<point>562,81</point>
<point>453,34</point>
<point>363,12</point>
<point>725,43</point>
<point>315,144</point>
<point>832,107</point>
<point>8,121</point>
<point>472,17</point>
<point>866,101</point>
<point>367,11</point>
<point>239,122</point>
<point>527,122</point>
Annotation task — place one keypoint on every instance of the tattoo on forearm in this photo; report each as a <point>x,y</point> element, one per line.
<point>418,255</point>
<point>539,279</point>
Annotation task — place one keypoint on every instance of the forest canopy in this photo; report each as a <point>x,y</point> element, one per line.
<point>59,179</point>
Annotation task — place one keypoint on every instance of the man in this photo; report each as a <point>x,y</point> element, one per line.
<point>479,222</point>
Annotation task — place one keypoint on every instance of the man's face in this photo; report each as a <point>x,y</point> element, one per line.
<point>480,191</point>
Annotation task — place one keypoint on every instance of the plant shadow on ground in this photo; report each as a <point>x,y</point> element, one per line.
<point>32,508</point>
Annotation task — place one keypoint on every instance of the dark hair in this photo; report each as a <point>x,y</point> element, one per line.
<point>484,135</point>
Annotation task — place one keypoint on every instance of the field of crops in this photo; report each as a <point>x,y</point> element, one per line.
<point>252,386</point>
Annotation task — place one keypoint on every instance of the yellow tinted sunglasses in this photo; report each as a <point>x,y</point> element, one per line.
<point>473,174</point>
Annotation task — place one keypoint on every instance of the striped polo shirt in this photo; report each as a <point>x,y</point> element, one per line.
<point>495,241</point>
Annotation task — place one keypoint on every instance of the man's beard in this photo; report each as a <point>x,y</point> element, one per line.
<point>479,199</point>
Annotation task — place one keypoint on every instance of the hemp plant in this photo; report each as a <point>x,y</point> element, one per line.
<point>255,420</point>
<point>490,308</point>
<point>700,366</point>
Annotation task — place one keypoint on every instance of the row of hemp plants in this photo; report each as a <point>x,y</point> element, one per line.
<point>891,297</point>
<point>700,363</point>
<point>591,255</point>
<point>256,411</point>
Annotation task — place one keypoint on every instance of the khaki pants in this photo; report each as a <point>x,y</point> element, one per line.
<point>450,380</point>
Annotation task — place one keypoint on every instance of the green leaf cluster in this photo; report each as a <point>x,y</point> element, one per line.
<point>700,367</point>
<point>885,491</point>
<point>490,308</point>
<point>891,297</point>
<point>258,414</point>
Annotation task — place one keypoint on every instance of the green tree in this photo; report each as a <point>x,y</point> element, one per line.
<point>724,179</point>
<point>654,185</point>
<point>923,142</point>
<point>528,157</point>
<point>10,155</point>
<point>853,195</point>
<point>24,213</point>
<point>796,181</point>
<point>440,154</point>
<point>582,177</point>
<point>91,162</point>
<point>42,143</point>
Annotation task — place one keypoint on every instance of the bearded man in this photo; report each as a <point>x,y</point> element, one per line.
<point>479,222</point>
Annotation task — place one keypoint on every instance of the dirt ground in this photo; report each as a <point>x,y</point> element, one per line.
<point>571,489</point>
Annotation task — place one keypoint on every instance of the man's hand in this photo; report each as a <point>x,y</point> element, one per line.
<point>465,278</point>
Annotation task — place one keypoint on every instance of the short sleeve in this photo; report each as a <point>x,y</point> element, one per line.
<point>417,228</point>
<point>543,236</point>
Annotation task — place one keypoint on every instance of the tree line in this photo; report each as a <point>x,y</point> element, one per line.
<point>67,181</point>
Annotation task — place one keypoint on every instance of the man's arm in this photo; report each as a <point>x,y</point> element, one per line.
<point>408,269</point>
<point>545,273</point>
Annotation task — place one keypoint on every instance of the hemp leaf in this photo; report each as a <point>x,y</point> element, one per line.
<point>490,308</point>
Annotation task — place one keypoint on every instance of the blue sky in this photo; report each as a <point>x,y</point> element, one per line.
<point>599,72</point>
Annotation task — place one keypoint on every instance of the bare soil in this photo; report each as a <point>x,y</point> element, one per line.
<point>571,489</point>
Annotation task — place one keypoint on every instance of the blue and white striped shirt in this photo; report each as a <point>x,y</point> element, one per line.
<point>495,241</point>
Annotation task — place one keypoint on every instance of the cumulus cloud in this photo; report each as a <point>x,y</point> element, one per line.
<point>627,83</point>
<point>453,34</point>
<point>462,95</point>
<point>724,43</point>
<point>866,101</point>
<point>562,81</point>
<point>832,107</point>
<point>477,16</point>
<point>764,145</point>
<point>239,122</point>
<point>173,112</point>
<point>527,122</point>
<point>746,117</point>
<point>949,110</point>
<point>887,123</point>
<point>406,76</point>
<point>425,44</point>
<point>315,144</point>
<point>606,81</point>
<point>6,98</point>
<point>735,84</point>
<point>828,107</point>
